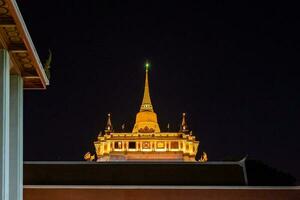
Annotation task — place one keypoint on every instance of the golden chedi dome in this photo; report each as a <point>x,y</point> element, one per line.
<point>146,119</point>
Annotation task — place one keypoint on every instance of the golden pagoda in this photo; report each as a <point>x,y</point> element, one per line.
<point>146,142</point>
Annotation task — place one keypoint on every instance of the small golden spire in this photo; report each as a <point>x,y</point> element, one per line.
<point>184,127</point>
<point>108,127</point>
<point>146,103</point>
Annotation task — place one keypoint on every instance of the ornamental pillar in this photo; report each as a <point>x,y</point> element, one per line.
<point>4,124</point>
<point>16,138</point>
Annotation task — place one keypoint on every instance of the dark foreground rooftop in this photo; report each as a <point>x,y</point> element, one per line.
<point>135,173</point>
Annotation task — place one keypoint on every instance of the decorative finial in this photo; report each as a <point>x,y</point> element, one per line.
<point>89,157</point>
<point>204,157</point>
<point>184,127</point>
<point>109,127</point>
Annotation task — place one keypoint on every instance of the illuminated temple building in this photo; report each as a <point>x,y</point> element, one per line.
<point>146,142</point>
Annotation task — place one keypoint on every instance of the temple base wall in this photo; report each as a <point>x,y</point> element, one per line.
<point>146,156</point>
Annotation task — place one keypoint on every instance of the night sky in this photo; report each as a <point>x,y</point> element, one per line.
<point>232,67</point>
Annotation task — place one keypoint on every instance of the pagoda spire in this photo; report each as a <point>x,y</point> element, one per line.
<point>184,126</point>
<point>146,103</point>
<point>108,127</point>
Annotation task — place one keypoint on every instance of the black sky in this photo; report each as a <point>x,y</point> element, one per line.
<point>233,67</point>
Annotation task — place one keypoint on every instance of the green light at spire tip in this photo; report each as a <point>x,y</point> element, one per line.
<point>147,65</point>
